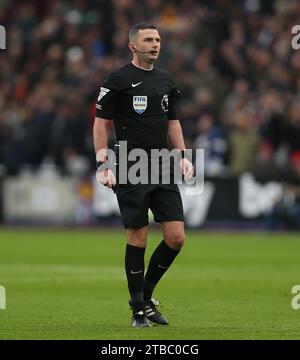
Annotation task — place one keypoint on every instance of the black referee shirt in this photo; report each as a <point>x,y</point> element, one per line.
<point>140,102</point>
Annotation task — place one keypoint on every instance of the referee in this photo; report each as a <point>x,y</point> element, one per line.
<point>141,99</point>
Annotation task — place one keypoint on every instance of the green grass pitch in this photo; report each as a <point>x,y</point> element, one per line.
<point>71,285</point>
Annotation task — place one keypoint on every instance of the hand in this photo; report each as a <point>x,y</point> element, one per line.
<point>187,168</point>
<point>106,178</point>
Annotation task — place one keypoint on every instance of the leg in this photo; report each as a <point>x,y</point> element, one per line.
<point>174,234</point>
<point>137,237</point>
<point>134,265</point>
<point>166,206</point>
<point>133,202</point>
<point>164,255</point>
<point>160,261</point>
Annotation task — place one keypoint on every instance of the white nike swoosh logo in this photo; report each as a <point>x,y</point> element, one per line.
<point>134,85</point>
<point>163,267</point>
<point>135,272</point>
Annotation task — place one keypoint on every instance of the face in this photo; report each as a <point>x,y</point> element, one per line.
<point>148,43</point>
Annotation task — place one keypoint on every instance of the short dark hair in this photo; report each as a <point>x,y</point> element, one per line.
<point>142,26</point>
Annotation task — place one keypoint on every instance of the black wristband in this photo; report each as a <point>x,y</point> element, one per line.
<point>184,154</point>
<point>100,163</point>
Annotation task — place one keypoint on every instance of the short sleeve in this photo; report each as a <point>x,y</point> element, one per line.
<point>107,97</point>
<point>173,103</point>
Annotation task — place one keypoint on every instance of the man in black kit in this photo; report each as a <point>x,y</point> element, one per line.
<point>141,99</point>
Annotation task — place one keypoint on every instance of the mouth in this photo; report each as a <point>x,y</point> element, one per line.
<point>154,52</point>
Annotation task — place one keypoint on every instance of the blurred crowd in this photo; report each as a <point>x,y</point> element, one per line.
<point>233,61</point>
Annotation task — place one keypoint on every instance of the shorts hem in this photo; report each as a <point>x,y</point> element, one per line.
<point>128,226</point>
<point>169,219</point>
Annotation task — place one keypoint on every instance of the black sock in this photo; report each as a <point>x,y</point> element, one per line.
<point>134,265</point>
<point>160,261</point>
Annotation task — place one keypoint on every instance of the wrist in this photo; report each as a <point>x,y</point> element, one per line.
<point>182,154</point>
<point>100,163</point>
<point>185,155</point>
<point>101,155</point>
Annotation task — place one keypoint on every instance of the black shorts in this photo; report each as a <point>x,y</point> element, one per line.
<point>136,200</point>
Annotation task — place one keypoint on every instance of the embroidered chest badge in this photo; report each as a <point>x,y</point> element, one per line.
<point>139,104</point>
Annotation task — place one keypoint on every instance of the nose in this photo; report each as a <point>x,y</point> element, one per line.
<point>155,43</point>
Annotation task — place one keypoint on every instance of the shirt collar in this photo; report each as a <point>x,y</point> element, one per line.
<point>139,67</point>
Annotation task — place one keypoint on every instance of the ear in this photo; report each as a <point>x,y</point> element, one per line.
<point>131,46</point>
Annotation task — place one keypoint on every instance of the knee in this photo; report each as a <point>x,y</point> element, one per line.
<point>137,238</point>
<point>137,242</point>
<point>176,240</point>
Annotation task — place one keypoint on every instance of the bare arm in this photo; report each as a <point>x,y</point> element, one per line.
<point>106,178</point>
<point>177,142</point>
<point>100,138</point>
<point>175,135</point>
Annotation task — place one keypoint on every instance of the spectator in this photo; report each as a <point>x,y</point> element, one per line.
<point>212,140</point>
<point>286,210</point>
<point>243,144</point>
